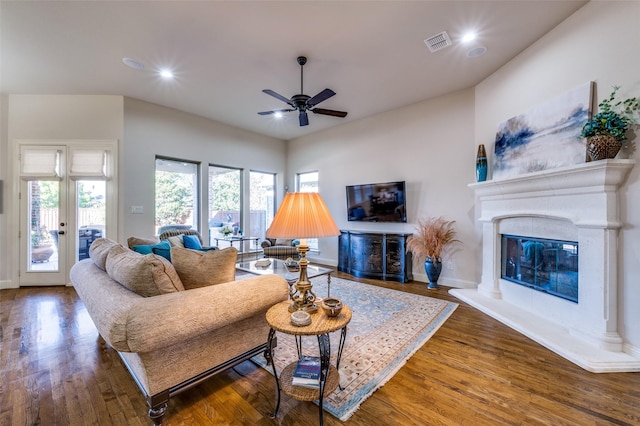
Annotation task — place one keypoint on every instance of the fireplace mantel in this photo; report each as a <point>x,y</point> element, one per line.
<point>577,203</point>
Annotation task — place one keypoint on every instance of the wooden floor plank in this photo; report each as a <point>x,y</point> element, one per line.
<point>473,371</point>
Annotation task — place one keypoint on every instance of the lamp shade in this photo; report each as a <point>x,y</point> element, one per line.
<point>302,215</point>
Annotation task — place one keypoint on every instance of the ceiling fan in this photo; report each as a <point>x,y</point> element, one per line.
<point>304,103</point>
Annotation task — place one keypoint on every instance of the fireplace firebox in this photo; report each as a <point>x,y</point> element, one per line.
<point>549,266</point>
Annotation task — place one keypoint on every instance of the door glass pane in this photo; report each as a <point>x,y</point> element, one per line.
<point>44,203</point>
<point>176,195</point>
<point>261,202</point>
<point>91,214</point>
<point>225,213</point>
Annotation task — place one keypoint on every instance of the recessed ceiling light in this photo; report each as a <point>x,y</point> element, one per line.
<point>278,114</point>
<point>166,74</point>
<point>132,63</point>
<point>468,37</point>
<point>476,51</point>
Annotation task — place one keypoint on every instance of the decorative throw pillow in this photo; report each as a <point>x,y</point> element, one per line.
<point>139,241</point>
<point>99,250</point>
<point>204,268</point>
<point>147,275</point>
<point>176,241</point>
<point>283,242</point>
<point>148,249</point>
<point>162,251</point>
<point>191,242</point>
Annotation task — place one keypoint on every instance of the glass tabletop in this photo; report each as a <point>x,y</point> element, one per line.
<point>278,267</point>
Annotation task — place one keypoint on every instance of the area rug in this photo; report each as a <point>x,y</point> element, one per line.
<point>386,329</point>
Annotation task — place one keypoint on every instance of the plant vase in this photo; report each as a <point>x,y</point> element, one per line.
<point>433,267</point>
<point>602,147</point>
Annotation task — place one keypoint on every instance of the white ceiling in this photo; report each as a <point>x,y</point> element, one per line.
<point>371,53</point>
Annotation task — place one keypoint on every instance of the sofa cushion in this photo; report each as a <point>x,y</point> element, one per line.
<point>148,249</point>
<point>147,275</point>
<point>203,268</point>
<point>176,241</point>
<point>99,250</point>
<point>191,242</point>
<point>283,242</point>
<point>140,241</point>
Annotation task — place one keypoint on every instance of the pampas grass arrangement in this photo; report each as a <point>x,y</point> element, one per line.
<point>433,237</point>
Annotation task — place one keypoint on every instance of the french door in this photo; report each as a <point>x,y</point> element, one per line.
<point>65,198</point>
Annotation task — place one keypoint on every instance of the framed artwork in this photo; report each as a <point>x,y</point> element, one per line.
<point>545,137</point>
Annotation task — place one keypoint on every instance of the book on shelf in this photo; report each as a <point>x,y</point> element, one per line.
<point>307,372</point>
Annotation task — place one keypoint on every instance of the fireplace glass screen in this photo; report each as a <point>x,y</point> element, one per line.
<point>550,266</point>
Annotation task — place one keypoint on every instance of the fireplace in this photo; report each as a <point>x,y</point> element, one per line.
<point>549,266</point>
<point>563,209</point>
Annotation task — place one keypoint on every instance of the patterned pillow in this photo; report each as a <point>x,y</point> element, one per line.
<point>204,268</point>
<point>176,241</point>
<point>147,275</point>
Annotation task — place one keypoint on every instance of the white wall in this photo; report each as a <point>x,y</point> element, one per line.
<point>601,43</point>
<point>429,145</point>
<point>47,117</point>
<point>152,130</point>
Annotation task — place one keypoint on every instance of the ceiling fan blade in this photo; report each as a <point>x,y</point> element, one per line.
<point>330,112</point>
<point>277,96</point>
<point>273,112</point>
<point>304,118</point>
<point>322,96</point>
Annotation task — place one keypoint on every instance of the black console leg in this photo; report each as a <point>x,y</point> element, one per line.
<point>156,414</point>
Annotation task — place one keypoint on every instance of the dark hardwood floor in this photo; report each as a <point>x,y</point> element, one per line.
<point>473,371</point>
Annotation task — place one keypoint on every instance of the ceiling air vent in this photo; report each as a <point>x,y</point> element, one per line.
<point>438,41</point>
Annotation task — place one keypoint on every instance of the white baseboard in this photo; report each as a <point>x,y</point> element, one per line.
<point>6,284</point>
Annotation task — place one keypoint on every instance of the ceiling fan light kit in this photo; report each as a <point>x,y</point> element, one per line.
<point>303,103</point>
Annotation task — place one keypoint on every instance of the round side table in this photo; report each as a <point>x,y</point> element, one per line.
<point>278,318</point>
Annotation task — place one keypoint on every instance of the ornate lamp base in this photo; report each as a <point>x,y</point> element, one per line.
<point>303,299</point>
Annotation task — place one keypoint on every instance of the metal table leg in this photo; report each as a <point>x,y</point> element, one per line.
<point>325,355</point>
<point>270,346</point>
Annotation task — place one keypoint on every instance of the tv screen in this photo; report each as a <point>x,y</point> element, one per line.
<point>377,202</point>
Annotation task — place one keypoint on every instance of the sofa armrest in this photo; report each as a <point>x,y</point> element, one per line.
<point>167,319</point>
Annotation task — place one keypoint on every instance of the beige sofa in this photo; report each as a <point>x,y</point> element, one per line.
<point>172,341</point>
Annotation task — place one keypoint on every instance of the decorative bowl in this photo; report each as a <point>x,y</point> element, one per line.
<point>331,306</point>
<point>300,318</point>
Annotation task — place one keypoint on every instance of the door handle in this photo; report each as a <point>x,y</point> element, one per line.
<point>60,232</point>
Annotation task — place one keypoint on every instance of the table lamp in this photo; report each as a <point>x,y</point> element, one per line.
<point>303,215</point>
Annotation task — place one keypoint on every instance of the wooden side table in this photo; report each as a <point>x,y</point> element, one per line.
<point>278,318</point>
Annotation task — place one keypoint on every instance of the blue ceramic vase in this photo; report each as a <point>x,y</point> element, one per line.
<point>433,267</point>
<point>481,164</point>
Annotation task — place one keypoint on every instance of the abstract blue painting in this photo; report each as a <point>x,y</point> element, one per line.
<point>546,137</point>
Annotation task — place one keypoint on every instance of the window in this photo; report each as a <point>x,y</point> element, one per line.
<point>308,182</point>
<point>176,194</point>
<point>262,202</point>
<point>225,195</point>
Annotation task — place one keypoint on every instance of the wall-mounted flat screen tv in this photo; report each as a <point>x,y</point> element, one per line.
<point>377,202</point>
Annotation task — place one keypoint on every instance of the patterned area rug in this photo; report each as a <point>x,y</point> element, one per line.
<point>386,329</point>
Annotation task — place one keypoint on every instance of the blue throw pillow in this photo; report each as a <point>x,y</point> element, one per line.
<point>163,251</point>
<point>149,249</point>
<point>191,242</point>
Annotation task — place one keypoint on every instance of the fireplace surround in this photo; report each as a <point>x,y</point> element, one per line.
<point>575,203</point>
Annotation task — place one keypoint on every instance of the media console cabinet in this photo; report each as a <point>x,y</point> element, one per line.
<point>381,256</point>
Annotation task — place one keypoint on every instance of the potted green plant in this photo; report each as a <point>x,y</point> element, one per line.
<point>41,245</point>
<point>607,129</point>
<point>433,237</point>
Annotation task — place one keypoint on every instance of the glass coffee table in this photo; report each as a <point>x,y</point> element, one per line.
<point>278,267</point>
